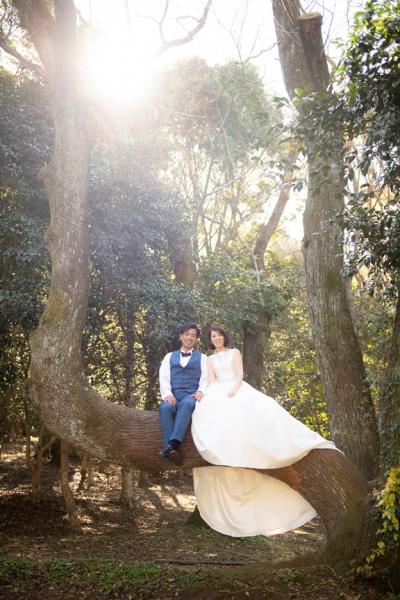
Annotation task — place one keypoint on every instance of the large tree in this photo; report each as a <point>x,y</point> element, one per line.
<point>68,405</point>
<point>351,413</point>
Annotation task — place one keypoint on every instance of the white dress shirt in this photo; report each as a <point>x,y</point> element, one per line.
<point>165,374</point>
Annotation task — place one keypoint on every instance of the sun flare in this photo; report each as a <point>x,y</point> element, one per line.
<point>116,72</point>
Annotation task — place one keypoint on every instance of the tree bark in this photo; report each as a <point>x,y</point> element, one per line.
<point>183,262</point>
<point>129,371</point>
<point>127,497</point>
<point>84,458</point>
<point>351,414</point>
<point>255,338</point>
<point>66,490</point>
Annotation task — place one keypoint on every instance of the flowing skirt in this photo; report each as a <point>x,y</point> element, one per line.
<point>243,433</point>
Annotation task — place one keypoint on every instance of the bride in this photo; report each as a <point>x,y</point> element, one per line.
<point>241,429</point>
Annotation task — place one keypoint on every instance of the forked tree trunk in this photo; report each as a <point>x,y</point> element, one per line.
<point>351,414</point>
<point>68,405</point>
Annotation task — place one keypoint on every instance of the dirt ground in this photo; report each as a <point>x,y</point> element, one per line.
<point>150,552</point>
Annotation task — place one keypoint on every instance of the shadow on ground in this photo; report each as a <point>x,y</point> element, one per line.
<point>148,553</point>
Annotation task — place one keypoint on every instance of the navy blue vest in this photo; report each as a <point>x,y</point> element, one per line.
<point>185,380</point>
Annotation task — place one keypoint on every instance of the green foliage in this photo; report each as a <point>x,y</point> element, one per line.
<point>134,299</point>
<point>18,568</point>
<point>107,575</point>
<point>371,66</point>
<point>388,517</point>
<point>24,145</point>
<point>288,577</point>
<point>364,108</point>
<point>291,375</point>
<point>226,150</point>
<point>222,110</point>
<point>236,293</point>
<point>104,574</point>
<point>26,135</point>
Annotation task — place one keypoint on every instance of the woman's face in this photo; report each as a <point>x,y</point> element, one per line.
<point>217,339</point>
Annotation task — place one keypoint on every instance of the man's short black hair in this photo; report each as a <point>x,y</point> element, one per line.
<point>187,326</point>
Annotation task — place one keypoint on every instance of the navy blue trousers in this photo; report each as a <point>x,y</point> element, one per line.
<point>175,418</point>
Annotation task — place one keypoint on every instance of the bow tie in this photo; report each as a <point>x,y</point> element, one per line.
<point>186,353</point>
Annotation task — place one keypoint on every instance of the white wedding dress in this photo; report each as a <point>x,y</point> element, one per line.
<point>250,430</point>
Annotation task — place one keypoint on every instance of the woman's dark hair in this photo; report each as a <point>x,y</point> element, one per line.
<point>222,332</point>
<point>188,326</point>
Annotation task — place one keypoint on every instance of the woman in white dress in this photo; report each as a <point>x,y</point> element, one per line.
<point>241,429</point>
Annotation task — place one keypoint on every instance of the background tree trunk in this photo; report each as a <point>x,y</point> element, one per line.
<point>255,339</point>
<point>66,490</point>
<point>351,414</point>
<point>184,265</point>
<point>256,335</point>
<point>126,498</point>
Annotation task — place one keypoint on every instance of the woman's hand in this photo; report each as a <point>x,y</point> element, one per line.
<point>232,393</point>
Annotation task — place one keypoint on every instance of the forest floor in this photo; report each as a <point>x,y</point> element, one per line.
<point>151,552</point>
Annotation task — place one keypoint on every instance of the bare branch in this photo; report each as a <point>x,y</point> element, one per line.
<point>166,45</point>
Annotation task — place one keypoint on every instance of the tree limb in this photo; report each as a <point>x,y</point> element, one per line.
<point>166,45</point>
<point>25,62</point>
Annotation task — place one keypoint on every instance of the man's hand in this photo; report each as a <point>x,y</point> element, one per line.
<point>170,399</point>
<point>198,396</point>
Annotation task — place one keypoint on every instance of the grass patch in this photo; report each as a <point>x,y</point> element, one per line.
<point>12,569</point>
<point>107,576</point>
<point>104,574</point>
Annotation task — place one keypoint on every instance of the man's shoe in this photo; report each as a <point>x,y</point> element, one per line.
<point>172,455</point>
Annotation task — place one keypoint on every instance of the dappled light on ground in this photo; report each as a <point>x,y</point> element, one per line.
<point>196,562</point>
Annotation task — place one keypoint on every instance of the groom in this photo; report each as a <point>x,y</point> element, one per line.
<point>183,380</point>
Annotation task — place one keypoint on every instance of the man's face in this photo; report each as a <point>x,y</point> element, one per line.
<point>188,339</point>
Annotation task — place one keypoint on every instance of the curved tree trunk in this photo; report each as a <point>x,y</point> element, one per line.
<point>351,414</point>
